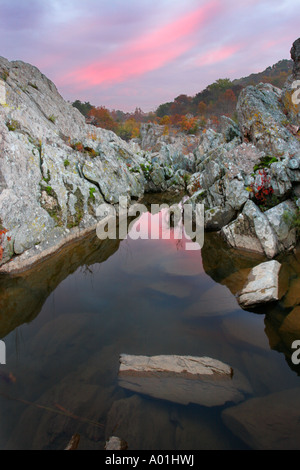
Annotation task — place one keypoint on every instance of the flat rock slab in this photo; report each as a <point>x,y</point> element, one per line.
<point>183,379</point>
<point>262,285</point>
<point>267,423</point>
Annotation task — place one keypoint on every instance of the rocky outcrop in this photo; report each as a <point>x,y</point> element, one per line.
<point>55,170</point>
<point>289,92</point>
<point>248,175</point>
<point>263,121</point>
<point>295,54</point>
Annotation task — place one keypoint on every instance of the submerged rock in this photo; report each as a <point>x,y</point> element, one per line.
<point>267,423</point>
<point>115,443</point>
<point>183,379</point>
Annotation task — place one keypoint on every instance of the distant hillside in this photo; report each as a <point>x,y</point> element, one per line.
<point>187,113</point>
<point>276,75</point>
<point>221,96</point>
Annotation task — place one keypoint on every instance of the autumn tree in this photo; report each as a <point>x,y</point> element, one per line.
<point>189,125</point>
<point>103,118</point>
<point>202,108</point>
<point>129,129</point>
<point>181,105</point>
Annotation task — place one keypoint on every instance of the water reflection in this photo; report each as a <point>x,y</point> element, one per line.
<point>282,319</point>
<point>66,322</point>
<point>22,296</point>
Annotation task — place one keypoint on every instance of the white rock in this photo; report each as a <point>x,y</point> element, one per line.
<point>115,443</point>
<point>262,285</point>
<point>183,379</point>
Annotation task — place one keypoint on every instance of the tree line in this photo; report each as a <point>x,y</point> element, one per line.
<point>187,114</point>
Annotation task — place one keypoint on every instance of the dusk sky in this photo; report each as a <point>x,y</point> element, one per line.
<point>124,54</point>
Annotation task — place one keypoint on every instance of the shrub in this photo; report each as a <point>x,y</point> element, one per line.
<point>92,195</point>
<point>78,146</point>
<point>4,75</point>
<point>263,193</point>
<point>265,162</point>
<point>13,125</point>
<point>52,118</point>
<point>33,85</point>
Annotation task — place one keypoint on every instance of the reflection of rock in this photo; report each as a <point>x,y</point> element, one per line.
<point>267,423</point>
<point>220,262</point>
<point>216,301</point>
<point>262,373</point>
<point>147,424</point>
<point>292,298</point>
<point>290,328</point>
<point>182,266</point>
<point>183,379</point>
<point>171,288</point>
<point>248,330</point>
<point>262,285</point>
<point>22,296</point>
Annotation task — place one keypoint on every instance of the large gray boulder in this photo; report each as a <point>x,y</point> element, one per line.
<point>263,121</point>
<point>289,92</point>
<point>252,231</point>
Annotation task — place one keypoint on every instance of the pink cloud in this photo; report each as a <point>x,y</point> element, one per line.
<point>149,52</point>
<point>218,55</point>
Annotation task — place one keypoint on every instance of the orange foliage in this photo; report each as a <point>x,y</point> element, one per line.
<point>202,107</point>
<point>165,121</point>
<point>189,125</point>
<point>103,118</point>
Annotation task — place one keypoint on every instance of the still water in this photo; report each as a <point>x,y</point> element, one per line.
<point>66,322</point>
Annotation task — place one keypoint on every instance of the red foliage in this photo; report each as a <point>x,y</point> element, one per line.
<point>264,190</point>
<point>103,118</point>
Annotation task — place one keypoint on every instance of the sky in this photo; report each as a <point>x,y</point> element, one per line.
<point>124,54</point>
